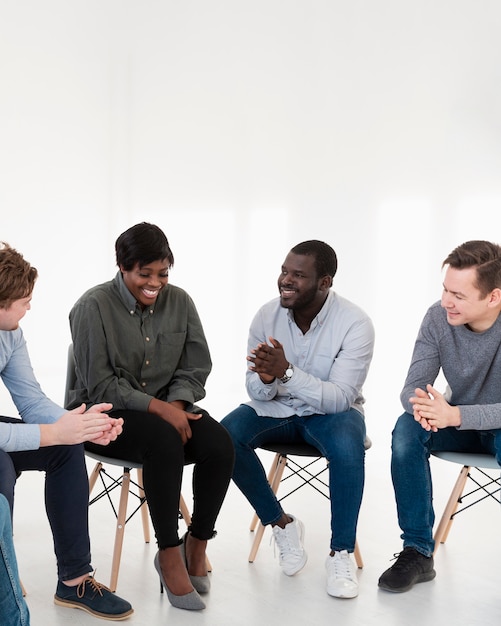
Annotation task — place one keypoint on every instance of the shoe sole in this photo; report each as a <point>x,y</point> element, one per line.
<point>344,595</point>
<point>83,607</point>
<point>423,578</point>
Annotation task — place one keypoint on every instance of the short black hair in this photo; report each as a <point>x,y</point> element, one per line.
<point>142,244</point>
<point>324,255</point>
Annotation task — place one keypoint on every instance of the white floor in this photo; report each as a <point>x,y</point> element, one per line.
<point>465,591</point>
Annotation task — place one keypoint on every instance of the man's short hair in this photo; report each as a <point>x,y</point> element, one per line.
<point>17,276</point>
<point>324,255</point>
<point>485,256</point>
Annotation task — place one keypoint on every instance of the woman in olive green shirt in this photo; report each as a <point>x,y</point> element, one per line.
<point>139,344</point>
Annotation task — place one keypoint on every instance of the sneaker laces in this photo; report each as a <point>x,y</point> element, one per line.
<point>342,566</point>
<point>94,584</point>
<point>405,560</point>
<point>282,541</point>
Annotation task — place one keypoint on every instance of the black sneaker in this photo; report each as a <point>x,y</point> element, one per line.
<point>411,567</point>
<point>94,598</point>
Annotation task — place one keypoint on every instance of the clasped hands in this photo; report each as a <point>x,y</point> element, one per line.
<point>268,360</point>
<point>433,411</point>
<point>80,425</point>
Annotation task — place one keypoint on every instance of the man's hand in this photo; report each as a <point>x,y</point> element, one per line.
<point>268,360</point>
<point>80,425</point>
<point>116,424</point>
<point>433,411</point>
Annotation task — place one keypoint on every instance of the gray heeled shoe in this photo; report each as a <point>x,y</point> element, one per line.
<point>201,583</point>
<point>190,601</point>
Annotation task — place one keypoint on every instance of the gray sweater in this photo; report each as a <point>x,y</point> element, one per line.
<point>470,363</point>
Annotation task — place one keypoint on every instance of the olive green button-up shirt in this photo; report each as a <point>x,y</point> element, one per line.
<point>127,355</point>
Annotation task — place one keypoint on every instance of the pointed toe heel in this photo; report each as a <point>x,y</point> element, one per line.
<point>189,601</point>
<point>201,583</point>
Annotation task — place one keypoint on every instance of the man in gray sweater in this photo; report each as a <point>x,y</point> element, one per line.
<point>460,336</point>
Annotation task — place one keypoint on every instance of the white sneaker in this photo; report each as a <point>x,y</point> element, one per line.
<point>341,575</point>
<point>292,555</point>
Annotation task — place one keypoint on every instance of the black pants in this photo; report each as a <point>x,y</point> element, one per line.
<point>150,440</point>
<point>66,500</point>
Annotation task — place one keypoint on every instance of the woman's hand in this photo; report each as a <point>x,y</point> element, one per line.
<point>174,414</point>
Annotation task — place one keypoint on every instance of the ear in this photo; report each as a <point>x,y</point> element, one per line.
<point>495,298</point>
<point>325,283</point>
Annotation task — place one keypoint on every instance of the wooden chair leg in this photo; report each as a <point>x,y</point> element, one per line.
<point>271,474</point>
<point>447,518</point>
<point>184,511</point>
<point>276,473</point>
<point>358,556</point>
<point>120,529</point>
<point>93,476</point>
<point>120,525</point>
<point>280,465</point>
<point>144,507</point>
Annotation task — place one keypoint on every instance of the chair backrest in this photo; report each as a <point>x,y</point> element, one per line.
<point>71,375</point>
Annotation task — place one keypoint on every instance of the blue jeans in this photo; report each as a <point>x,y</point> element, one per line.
<point>13,608</point>
<point>339,437</point>
<point>66,500</point>
<point>411,475</point>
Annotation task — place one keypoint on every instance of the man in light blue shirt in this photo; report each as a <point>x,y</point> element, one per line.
<point>309,352</point>
<point>48,438</point>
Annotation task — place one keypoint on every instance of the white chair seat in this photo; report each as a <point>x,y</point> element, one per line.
<point>470,459</point>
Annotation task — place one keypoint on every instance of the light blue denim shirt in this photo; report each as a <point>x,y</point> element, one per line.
<point>33,405</point>
<point>331,360</point>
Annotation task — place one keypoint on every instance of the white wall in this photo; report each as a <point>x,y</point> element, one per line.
<point>242,128</point>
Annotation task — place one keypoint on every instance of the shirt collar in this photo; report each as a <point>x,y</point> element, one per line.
<point>126,296</point>
<point>324,311</point>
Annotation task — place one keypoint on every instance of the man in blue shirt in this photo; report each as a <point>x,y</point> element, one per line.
<point>309,352</point>
<point>48,438</point>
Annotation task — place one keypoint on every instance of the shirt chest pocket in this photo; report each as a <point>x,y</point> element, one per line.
<point>170,346</point>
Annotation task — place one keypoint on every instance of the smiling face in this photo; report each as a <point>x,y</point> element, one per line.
<point>145,282</point>
<point>10,317</point>
<point>299,286</point>
<point>464,302</point>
